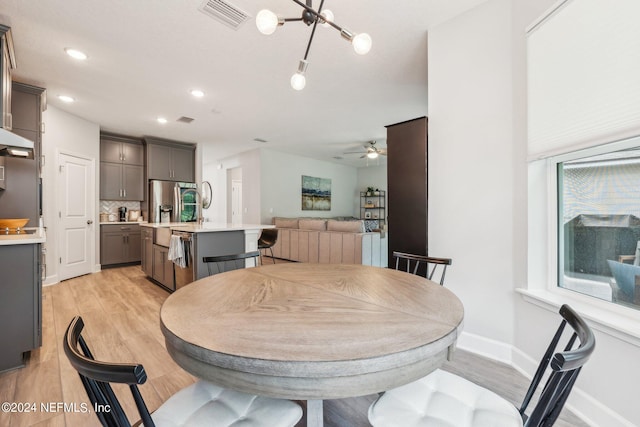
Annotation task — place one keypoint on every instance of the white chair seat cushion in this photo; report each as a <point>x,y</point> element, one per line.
<point>206,404</point>
<point>442,399</point>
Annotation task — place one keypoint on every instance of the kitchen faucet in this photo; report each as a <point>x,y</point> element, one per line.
<point>195,191</point>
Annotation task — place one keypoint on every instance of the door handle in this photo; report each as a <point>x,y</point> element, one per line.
<point>89,221</point>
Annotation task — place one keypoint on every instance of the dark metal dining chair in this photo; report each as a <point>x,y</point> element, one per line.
<point>414,264</point>
<point>200,404</point>
<point>268,238</point>
<point>222,263</point>
<point>421,402</point>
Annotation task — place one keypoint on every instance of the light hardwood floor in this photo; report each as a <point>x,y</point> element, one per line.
<point>120,308</point>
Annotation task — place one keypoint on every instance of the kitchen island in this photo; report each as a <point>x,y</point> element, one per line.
<point>199,240</point>
<point>20,295</point>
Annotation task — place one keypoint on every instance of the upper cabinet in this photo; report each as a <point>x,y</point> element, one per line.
<point>7,63</point>
<point>170,161</point>
<point>121,168</point>
<point>115,149</point>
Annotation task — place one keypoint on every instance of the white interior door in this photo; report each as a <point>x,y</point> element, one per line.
<point>77,232</point>
<point>236,202</point>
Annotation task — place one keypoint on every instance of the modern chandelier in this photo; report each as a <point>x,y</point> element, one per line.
<point>267,22</point>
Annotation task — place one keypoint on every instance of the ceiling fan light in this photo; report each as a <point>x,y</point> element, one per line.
<point>372,154</point>
<point>327,15</point>
<point>266,21</point>
<point>362,43</point>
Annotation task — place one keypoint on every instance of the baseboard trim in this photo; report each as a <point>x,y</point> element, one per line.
<point>486,347</point>
<point>585,406</point>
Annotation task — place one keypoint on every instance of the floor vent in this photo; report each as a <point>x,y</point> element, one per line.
<point>185,119</point>
<point>224,12</point>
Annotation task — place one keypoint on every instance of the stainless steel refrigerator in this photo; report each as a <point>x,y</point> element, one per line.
<point>171,201</point>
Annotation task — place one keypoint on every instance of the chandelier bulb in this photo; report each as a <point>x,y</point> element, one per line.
<point>372,154</point>
<point>298,81</point>
<point>327,15</point>
<point>267,22</point>
<point>362,43</point>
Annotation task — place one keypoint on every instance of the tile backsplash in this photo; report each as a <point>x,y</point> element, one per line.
<point>111,206</point>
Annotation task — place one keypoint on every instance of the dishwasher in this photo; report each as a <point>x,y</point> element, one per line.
<point>185,275</point>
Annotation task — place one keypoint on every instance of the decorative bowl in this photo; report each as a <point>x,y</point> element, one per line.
<point>13,223</point>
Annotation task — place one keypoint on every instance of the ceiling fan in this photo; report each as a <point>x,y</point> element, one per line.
<point>372,151</point>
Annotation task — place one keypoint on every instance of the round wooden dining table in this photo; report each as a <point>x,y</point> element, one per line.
<point>311,331</point>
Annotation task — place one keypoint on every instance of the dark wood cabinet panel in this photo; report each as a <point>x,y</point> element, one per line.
<point>146,247</point>
<point>133,154</point>
<point>110,151</point>
<point>407,187</point>
<point>20,302</point>
<point>183,164</point>
<point>162,267</point>
<point>159,162</point>
<point>132,177</point>
<point>170,161</point>
<point>20,199</point>
<point>121,168</point>
<point>110,181</point>
<point>7,63</point>
<point>119,244</point>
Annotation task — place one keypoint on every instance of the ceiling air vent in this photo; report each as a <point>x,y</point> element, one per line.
<point>185,119</point>
<point>224,12</point>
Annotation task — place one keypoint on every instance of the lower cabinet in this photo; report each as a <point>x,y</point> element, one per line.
<point>20,303</point>
<point>147,251</point>
<point>162,267</point>
<point>120,244</point>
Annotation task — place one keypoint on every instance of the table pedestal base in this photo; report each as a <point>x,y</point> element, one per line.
<point>314,413</point>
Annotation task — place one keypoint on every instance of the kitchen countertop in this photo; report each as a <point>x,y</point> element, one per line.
<point>207,227</point>
<point>122,222</point>
<point>40,236</point>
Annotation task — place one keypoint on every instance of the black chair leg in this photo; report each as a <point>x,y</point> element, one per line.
<point>272,257</point>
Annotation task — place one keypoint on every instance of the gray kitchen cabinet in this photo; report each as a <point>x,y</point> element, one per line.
<point>121,168</point>
<point>162,267</point>
<point>119,244</point>
<point>20,303</point>
<point>120,149</point>
<point>22,195</point>
<point>170,161</point>
<point>121,182</point>
<point>7,63</point>
<point>147,251</point>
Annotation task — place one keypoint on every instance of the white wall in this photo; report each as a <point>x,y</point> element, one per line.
<point>72,135</point>
<point>611,375</point>
<point>471,193</point>
<point>478,202</point>
<point>281,182</point>
<point>216,170</point>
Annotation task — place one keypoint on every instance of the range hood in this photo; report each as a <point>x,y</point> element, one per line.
<point>13,145</point>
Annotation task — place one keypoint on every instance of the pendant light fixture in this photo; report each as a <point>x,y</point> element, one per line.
<point>267,23</point>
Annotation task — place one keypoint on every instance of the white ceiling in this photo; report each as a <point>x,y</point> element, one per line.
<point>146,55</point>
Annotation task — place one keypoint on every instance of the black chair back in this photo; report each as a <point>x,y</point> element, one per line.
<point>268,238</point>
<point>222,263</point>
<point>421,265</point>
<point>565,367</point>
<point>96,377</point>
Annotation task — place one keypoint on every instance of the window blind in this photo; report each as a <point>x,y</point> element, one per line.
<point>583,73</point>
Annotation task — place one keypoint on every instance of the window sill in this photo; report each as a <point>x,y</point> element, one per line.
<point>619,322</point>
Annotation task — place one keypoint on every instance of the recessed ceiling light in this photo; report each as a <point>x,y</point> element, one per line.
<point>161,120</point>
<point>197,93</point>
<point>76,54</point>
<point>65,98</point>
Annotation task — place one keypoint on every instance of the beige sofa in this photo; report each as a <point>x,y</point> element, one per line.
<point>319,240</point>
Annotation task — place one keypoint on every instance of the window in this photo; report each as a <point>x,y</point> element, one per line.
<point>599,225</point>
